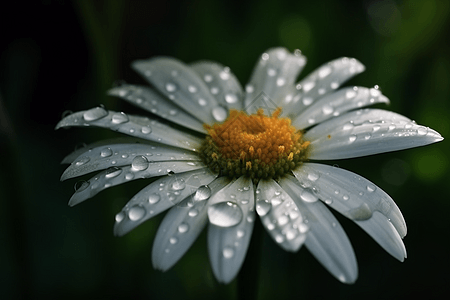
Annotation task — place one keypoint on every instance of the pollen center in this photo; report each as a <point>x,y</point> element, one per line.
<point>256,145</point>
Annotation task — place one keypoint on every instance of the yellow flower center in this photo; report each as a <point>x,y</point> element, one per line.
<point>256,145</point>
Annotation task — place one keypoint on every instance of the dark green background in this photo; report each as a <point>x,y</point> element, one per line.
<point>62,55</point>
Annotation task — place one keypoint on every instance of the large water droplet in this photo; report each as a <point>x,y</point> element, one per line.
<point>183,227</point>
<point>263,207</point>
<point>106,152</point>
<point>313,176</point>
<point>178,185</point>
<point>225,214</point>
<point>120,118</point>
<point>113,172</point>
<point>146,130</point>
<point>120,216</point>
<point>228,252</point>
<point>171,87</point>
<point>202,193</point>
<point>307,196</point>
<point>82,161</point>
<point>81,185</point>
<point>94,114</point>
<point>139,163</point>
<point>362,212</point>
<point>422,130</point>
<point>193,212</point>
<point>219,113</point>
<point>136,213</point>
<point>282,220</point>
<point>153,198</point>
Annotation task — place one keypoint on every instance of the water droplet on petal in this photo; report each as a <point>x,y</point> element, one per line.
<point>422,130</point>
<point>120,216</point>
<point>350,94</point>
<point>308,86</point>
<point>193,212</point>
<point>120,118</point>
<point>178,185</point>
<point>334,85</point>
<point>281,81</point>
<point>228,252</point>
<point>106,152</point>
<point>265,56</point>
<point>231,98</point>
<point>139,163</point>
<point>348,126</point>
<point>371,188</point>
<point>171,87</point>
<point>225,214</point>
<point>327,109</point>
<point>129,176</point>
<point>376,128</point>
<point>324,72</point>
<point>153,198</point>
<point>240,233</point>
<point>94,114</point>
<point>263,207</point>
<point>202,102</point>
<point>360,213</point>
<point>307,101</point>
<point>202,193</point>
<point>219,113</point>
<point>282,220</point>
<point>173,240</point>
<point>192,89</point>
<point>271,72</point>
<point>82,161</point>
<point>146,130</point>
<point>352,138</point>
<point>313,176</point>
<point>136,213</point>
<point>183,227</point>
<point>113,172</point>
<point>307,196</point>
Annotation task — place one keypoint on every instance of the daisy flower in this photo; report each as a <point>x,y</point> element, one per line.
<point>223,155</point>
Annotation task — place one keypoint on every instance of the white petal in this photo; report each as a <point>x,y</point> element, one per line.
<point>326,239</point>
<point>385,234</point>
<point>132,125</point>
<point>140,168</point>
<point>155,103</point>
<point>182,225</point>
<point>337,103</point>
<point>273,79</point>
<point>322,81</point>
<point>183,86</point>
<point>365,132</point>
<point>227,246</point>
<point>350,194</point>
<point>118,155</point>
<point>280,216</point>
<point>221,83</point>
<point>158,196</point>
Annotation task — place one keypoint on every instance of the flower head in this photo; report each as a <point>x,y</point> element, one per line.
<point>247,153</point>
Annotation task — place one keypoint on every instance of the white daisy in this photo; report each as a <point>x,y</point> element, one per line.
<point>253,156</point>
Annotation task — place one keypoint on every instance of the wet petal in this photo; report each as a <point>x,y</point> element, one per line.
<point>326,239</point>
<point>337,103</point>
<point>158,196</point>
<point>132,125</point>
<point>155,103</point>
<point>118,155</point>
<point>273,78</point>
<point>350,194</point>
<point>320,82</point>
<point>365,132</point>
<point>221,83</point>
<point>181,226</point>
<point>280,216</point>
<point>183,86</point>
<point>227,246</point>
<point>139,168</point>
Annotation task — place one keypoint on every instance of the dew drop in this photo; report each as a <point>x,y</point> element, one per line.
<point>178,185</point>
<point>352,138</point>
<point>231,98</point>
<point>327,109</point>
<point>360,213</point>
<point>219,113</point>
<point>249,89</point>
<point>106,152</point>
<point>225,214</point>
<point>202,102</point>
<point>265,56</point>
<point>263,207</point>
<point>376,128</point>
<point>136,213</point>
<point>348,126</point>
<point>282,220</point>
<point>129,176</point>
<point>271,72</point>
<point>171,87</point>
<point>313,176</point>
<point>279,238</point>
<point>225,74</point>
<point>94,114</point>
<point>281,81</point>
<point>422,130</point>
<point>307,101</point>
<point>82,161</point>
<point>119,118</point>
<point>183,227</point>
<point>193,212</point>
<point>367,136</point>
<point>308,86</point>
<point>113,172</point>
<point>240,233</point>
<point>308,196</point>
<point>228,252</point>
<point>154,198</point>
<point>350,94</point>
<point>324,72</point>
<point>192,89</point>
<point>371,188</point>
<point>202,193</point>
<point>345,197</point>
<point>208,78</point>
<point>334,85</point>
<point>139,163</point>
<point>119,217</point>
<point>173,240</point>
<point>146,130</point>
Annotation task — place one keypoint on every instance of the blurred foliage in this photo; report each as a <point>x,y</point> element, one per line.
<point>60,55</point>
